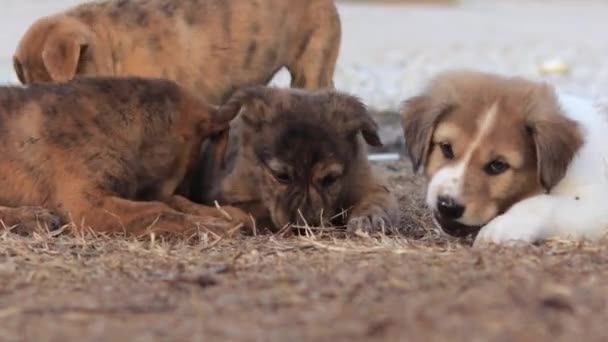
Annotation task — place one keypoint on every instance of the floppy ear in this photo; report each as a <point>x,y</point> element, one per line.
<point>18,70</point>
<point>252,102</point>
<point>358,119</point>
<point>61,54</point>
<point>220,145</point>
<point>557,140</point>
<point>369,130</point>
<point>419,116</point>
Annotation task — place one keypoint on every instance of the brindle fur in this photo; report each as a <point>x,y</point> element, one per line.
<point>298,156</point>
<point>212,46</point>
<point>105,154</point>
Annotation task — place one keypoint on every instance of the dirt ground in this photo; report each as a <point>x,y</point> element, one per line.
<point>415,285</point>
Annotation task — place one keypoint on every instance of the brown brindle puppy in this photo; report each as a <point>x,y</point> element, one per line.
<point>299,157</point>
<point>106,154</point>
<point>213,46</point>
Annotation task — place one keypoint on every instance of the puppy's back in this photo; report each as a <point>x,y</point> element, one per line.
<point>86,110</point>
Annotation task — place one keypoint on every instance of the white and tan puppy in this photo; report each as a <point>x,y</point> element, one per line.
<point>509,158</point>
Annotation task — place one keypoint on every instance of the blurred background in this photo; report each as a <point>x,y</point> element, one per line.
<point>391,48</point>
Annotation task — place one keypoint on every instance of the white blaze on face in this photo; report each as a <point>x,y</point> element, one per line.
<point>449,180</point>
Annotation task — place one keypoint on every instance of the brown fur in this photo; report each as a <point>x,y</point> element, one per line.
<point>299,157</point>
<point>106,154</point>
<point>211,46</point>
<point>529,133</point>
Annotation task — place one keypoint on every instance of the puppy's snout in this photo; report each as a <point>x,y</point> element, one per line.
<point>449,208</point>
<point>306,216</point>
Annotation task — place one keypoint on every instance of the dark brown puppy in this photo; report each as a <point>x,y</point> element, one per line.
<point>213,46</point>
<point>299,157</point>
<point>106,154</point>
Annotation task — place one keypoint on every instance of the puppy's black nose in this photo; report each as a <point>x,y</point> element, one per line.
<point>448,208</point>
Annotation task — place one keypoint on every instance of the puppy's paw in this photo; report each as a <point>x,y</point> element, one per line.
<point>511,230</point>
<point>229,222</point>
<point>238,216</point>
<point>372,220</point>
<point>27,220</point>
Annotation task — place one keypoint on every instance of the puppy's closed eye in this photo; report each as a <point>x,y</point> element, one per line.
<point>281,177</point>
<point>279,170</point>
<point>329,175</point>
<point>329,180</point>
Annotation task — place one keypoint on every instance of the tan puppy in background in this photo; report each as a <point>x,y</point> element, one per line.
<point>107,154</point>
<point>211,46</point>
<point>299,157</point>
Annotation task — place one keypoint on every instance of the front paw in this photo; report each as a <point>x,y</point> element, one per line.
<point>510,230</point>
<point>224,221</point>
<point>27,220</point>
<point>235,216</point>
<point>369,221</point>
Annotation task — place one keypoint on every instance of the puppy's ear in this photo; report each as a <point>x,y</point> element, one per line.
<point>419,117</point>
<point>220,145</point>
<point>61,54</point>
<point>211,124</point>
<point>556,139</point>
<point>358,119</point>
<point>254,104</point>
<point>18,67</point>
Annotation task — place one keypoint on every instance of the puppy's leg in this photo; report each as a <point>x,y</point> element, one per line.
<point>26,220</point>
<point>543,217</point>
<point>376,211</point>
<point>315,61</point>
<point>227,212</point>
<point>115,215</point>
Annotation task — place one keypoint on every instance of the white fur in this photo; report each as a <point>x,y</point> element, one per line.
<point>577,207</point>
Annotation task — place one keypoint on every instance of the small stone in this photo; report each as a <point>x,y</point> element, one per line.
<point>554,66</point>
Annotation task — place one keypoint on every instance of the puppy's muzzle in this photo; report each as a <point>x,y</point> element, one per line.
<point>446,215</point>
<point>310,217</point>
<point>449,209</point>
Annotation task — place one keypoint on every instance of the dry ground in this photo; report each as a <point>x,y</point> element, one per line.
<point>414,286</point>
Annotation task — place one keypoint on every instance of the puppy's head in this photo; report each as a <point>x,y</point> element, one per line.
<point>57,48</point>
<point>486,142</point>
<point>302,148</point>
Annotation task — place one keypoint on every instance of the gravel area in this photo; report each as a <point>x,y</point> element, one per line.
<point>390,50</point>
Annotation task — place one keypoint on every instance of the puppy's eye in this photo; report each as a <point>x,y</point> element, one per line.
<point>447,151</point>
<point>496,167</point>
<point>329,180</point>
<point>282,177</point>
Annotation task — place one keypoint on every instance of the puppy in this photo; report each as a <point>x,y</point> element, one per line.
<point>106,154</point>
<point>299,157</point>
<point>509,156</point>
<point>213,46</point>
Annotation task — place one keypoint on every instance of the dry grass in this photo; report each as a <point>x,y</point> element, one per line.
<point>324,285</point>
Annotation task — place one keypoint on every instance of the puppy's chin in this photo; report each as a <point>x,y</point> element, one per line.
<point>454,228</point>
